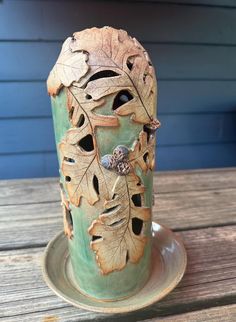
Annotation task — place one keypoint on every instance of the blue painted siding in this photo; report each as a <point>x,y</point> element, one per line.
<point>191,42</point>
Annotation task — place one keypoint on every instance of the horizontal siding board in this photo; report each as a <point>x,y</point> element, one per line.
<point>24,99</point>
<point>213,3</point>
<point>33,20</point>
<point>196,96</point>
<point>30,99</point>
<point>27,61</point>
<point>168,158</point>
<point>196,156</point>
<point>35,135</point>
<point>30,165</point>
<point>195,129</point>
<point>33,61</point>
<point>24,135</point>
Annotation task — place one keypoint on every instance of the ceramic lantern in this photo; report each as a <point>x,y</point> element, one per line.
<point>103,92</point>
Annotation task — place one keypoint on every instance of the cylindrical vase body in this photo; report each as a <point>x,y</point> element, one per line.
<point>103,92</point>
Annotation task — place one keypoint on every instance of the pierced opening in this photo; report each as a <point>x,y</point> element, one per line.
<point>96,184</point>
<point>94,237</point>
<point>145,157</point>
<point>69,160</point>
<point>87,143</point>
<point>130,63</point>
<point>69,218</point>
<point>88,97</point>
<point>127,257</point>
<point>121,98</point>
<point>144,77</point>
<point>118,222</point>
<point>110,209</point>
<point>103,74</point>
<point>68,179</point>
<point>137,225</point>
<point>71,111</point>
<point>137,200</point>
<point>148,131</point>
<point>81,120</point>
<point>113,197</point>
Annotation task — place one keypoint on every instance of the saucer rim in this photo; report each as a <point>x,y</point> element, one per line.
<point>122,309</point>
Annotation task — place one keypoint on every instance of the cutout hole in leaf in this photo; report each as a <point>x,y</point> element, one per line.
<point>94,237</point>
<point>88,97</point>
<point>145,157</point>
<point>137,225</point>
<point>81,120</point>
<point>87,143</point>
<point>121,98</point>
<point>148,131</point>
<point>69,218</point>
<point>118,222</point>
<point>144,77</point>
<point>69,160</point>
<point>68,179</point>
<point>96,184</point>
<point>139,182</point>
<point>130,63</point>
<point>71,111</point>
<point>137,200</point>
<point>127,257</point>
<point>103,74</point>
<point>106,211</point>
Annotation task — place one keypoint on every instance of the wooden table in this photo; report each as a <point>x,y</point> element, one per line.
<point>198,205</point>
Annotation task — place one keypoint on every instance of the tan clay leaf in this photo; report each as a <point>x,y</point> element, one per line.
<point>80,174</point>
<point>143,152</point>
<point>70,67</point>
<point>84,175</point>
<point>115,239</point>
<point>113,50</point>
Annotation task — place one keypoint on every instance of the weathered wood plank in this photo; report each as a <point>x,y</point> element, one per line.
<point>26,191</point>
<point>35,224</point>
<point>34,20</point>
<point>210,279</point>
<point>30,225</point>
<point>226,313</point>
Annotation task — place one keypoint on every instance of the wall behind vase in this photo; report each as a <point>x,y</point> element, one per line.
<point>192,44</point>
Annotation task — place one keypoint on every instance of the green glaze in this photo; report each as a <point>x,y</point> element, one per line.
<point>125,134</point>
<point>89,279</point>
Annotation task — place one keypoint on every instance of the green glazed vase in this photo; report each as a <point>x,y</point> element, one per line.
<point>103,94</point>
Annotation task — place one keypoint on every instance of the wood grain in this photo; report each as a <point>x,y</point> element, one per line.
<point>226,313</point>
<point>210,279</point>
<point>47,189</point>
<point>184,200</point>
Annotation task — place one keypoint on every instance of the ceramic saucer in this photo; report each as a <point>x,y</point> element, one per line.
<point>168,265</point>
